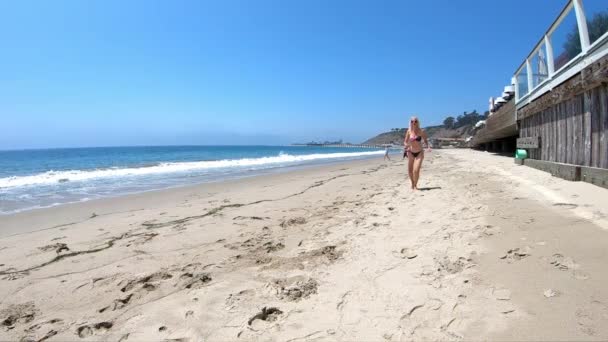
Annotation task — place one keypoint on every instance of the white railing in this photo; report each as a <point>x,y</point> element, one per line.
<point>564,50</point>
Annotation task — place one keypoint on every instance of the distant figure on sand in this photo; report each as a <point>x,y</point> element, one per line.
<point>415,152</point>
<point>386,154</point>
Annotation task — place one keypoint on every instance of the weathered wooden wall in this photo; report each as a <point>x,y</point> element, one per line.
<point>574,131</point>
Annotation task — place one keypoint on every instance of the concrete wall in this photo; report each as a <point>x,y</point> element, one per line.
<point>593,175</point>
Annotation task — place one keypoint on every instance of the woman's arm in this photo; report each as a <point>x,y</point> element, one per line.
<point>426,140</point>
<point>406,140</point>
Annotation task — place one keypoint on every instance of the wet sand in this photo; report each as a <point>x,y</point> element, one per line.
<point>487,250</point>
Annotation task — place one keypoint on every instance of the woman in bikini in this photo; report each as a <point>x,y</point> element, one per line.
<point>415,152</point>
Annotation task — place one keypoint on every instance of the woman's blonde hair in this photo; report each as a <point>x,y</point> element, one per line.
<point>412,119</point>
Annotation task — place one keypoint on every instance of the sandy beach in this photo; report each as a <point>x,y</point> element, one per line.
<point>487,250</point>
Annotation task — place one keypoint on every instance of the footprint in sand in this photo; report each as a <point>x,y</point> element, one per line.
<point>295,288</point>
<point>18,314</point>
<point>292,222</point>
<point>267,315</point>
<point>516,254</point>
<point>57,247</point>
<point>566,205</point>
<point>562,263</point>
<point>235,299</point>
<point>95,329</point>
<point>407,253</point>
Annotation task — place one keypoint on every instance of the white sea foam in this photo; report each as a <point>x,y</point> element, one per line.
<point>56,177</point>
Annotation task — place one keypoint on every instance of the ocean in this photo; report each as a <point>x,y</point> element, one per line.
<point>32,179</point>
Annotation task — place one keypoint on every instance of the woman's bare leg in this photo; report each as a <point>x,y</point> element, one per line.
<point>410,168</point>
<point>417,166</point>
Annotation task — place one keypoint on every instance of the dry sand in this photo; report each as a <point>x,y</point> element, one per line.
<point>489,250</point>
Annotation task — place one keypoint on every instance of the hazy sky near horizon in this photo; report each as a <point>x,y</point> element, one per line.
<point>145,72</point>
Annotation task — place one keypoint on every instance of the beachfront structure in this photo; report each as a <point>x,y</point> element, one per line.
<point>500,130</point>
<point>560,104</point>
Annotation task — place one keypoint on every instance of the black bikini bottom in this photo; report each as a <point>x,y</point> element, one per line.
<point>415,154</point>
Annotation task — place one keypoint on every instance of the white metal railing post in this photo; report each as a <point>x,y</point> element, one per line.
<point>530,76</point>
<point>581,21</point>
<point>516,86</point>
<point>550,64</point>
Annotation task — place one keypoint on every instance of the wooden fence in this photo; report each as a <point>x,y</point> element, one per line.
<point>573,131</point>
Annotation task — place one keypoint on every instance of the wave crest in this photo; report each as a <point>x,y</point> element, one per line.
<point>55,177</point>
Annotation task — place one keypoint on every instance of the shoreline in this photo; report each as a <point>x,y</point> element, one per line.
<point>73,184</point>
<point>490,250</point>
<point>9,221</point>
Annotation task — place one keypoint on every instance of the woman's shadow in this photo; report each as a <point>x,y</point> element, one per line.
<point>429,188</point>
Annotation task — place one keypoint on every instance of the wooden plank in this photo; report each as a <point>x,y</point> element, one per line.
<point>587,127</point>
<point>545,136</point>
<point>580,133</point>
<point>558,138</point>
<point>549,139</point>
<point>595,127</point>
<point>569,133</point>
<point>575,130</point>
<point>555,133</point>
<point>604,132</point>
<point>563,135</point>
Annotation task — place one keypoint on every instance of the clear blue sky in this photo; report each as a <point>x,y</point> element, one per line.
<point>102,73</point>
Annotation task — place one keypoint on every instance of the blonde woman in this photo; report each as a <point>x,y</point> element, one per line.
<point>415,152</point>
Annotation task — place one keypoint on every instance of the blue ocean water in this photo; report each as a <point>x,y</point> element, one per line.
<point>41,178</point>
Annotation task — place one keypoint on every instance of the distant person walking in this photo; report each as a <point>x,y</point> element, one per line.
<point>415,151</point>
<point>386,154</point>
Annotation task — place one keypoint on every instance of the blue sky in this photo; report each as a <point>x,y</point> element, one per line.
<point>107,73</point>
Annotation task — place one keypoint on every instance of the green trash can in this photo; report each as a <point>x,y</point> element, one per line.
<point>521,154</point>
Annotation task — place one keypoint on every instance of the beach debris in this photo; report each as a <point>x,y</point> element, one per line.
<point>502,294</point>
<point>407,253</point>
<point>267,314</point>
<point>516,254</point>
<point>551,293</point>
<point>293,221</point>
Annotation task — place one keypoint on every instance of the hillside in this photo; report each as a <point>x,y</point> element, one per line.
<point>396,136</point>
